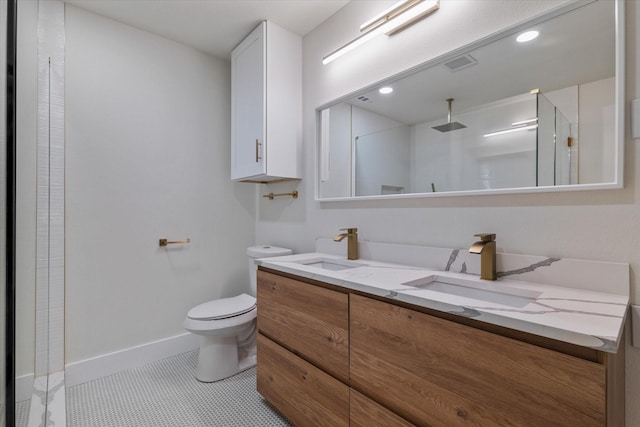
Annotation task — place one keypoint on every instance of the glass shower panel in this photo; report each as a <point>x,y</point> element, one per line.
<point>565,151</point>
<point>501,144</point>
<point>7,211</point>
<point>546,143</point>
<point>383,162</point>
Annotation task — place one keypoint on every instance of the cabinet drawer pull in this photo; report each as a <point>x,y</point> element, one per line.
<point>258,150</point>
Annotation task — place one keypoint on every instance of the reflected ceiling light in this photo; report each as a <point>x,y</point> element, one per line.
<point>517,129</point>
<point>385,90</point>
<point>524,122</point>
<point>527,36</point>
<point>398,17</point>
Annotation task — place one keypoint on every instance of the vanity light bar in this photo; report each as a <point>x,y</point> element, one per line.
<point>387,15</point>
<point>412,15</point>
<point>409,13</point>
<point>352,45</point>
<point>501,132</point>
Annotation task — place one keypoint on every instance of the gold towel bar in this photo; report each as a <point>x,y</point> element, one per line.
<point>165,242</point>
<point>270,196</point>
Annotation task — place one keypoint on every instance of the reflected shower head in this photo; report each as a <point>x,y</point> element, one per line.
<point>449,126</point>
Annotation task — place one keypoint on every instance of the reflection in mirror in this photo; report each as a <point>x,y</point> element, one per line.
<point>523,115</point>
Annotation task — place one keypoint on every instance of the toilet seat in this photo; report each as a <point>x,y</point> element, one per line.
<point>223,308</point>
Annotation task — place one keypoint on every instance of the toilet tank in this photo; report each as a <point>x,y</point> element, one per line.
<point>262,251</point>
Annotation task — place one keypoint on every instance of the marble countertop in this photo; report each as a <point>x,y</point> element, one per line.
<point>583,317</point>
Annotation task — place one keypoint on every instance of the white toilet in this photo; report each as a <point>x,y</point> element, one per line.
<point>227,327</point>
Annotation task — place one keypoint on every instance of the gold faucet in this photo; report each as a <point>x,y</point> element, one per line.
<point>486,247</point>
<point>352,242</point>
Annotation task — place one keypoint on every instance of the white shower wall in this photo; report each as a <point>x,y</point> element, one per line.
<point>147,158</point>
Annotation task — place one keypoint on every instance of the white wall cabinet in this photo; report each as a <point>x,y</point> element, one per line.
<point>266,105</point>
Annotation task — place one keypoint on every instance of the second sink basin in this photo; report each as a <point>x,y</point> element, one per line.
<point>483,291</point>
<point>329,264</point>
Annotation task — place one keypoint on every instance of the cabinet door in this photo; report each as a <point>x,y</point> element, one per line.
<point>364,412</point>
<point>436,372</point>
<point>301,392</point>
<point>248,106</point>
<point>309,320</point>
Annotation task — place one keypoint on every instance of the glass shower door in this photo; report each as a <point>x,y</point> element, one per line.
<point>546,143</point>
<point>3,147</point>
<point>565,156</point>
<point>7,210</point>
<point>555,151</point>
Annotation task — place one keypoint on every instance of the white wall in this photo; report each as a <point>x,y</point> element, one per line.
<point>148,131</point>
<point>596,105</point>
<point>596,225</point>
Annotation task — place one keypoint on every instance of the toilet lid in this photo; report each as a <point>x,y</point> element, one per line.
<point>223,308</point>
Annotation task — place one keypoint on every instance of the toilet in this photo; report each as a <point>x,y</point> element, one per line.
<point>227,326</point>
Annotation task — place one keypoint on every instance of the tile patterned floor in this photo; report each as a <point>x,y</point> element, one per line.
<point>166,394</point>
<point>22,413</point>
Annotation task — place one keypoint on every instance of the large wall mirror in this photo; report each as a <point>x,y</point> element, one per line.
<point>497,116</point>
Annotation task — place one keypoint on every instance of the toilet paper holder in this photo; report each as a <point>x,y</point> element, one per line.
<point>165,242</point>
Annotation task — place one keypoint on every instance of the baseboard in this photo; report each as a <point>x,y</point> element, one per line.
<point>111,363</point>
<point>24,387</point>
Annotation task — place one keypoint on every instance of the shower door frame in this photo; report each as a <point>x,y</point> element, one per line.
<point>10,229</point>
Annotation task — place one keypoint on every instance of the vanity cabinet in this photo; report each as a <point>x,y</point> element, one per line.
<point>364,412</point>
<point>328,356</point>
<point>436,372</point>
<point>266,105</point>
<point>306,395</point>
<point>303,350</point>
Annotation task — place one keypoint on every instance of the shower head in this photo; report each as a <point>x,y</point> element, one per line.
<point>449,126</point>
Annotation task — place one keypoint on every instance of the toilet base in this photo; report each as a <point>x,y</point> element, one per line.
<point>218,358</point>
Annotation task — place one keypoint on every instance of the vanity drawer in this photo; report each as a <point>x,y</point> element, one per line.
<point>303,393</point>
<point>436,372</point>
<point>364,412</point>
<point>308,320</point>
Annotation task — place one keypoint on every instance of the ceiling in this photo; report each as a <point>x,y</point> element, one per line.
<point>213,26</point>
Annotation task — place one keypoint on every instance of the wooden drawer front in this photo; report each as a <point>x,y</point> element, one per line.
<point>299,390</point>
<point>309,320</point>
<point>435,372</point>
<point>364,412</point>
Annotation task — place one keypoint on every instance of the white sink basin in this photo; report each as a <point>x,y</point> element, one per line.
<point>492,292</point>
<point>329,264</point>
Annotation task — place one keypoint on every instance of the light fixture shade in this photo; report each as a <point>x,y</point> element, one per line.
<point>411,16</point>
<point>392,12</point>
<point>393,20</point>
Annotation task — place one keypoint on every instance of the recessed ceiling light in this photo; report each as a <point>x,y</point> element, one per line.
<point>385,90</point>
<point>527,36</point>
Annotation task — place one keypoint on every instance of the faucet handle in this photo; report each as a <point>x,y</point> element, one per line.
<point>350,230</point>
<point>486,237</point>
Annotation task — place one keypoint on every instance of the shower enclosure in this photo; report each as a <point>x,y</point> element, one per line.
<point>522,141</point>
<point>556,149</point>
